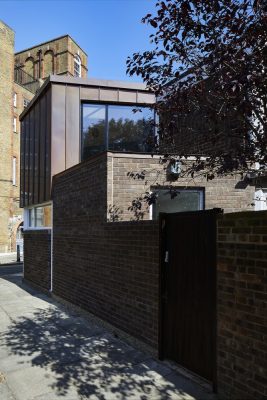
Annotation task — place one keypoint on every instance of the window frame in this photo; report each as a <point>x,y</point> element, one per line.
<point>15,124</point>
<point>106,132</point>
<point>27,211</point>
<point>15,99</point>
<point>191,189</point>
<point>26,101</point>
<point>77,62</point>
<point>14,171</point>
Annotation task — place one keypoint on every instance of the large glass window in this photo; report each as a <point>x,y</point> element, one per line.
<point>39,217</point>
<point>184,200</point>
<point>93,131</point>
<point>118,128</point>
<point>129,130</point>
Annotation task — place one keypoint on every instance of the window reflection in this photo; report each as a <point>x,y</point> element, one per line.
<point>185,200</point>
<point>31,217</point>
<point>40,216</point>
<point>93,129</point>
<point>129,130</point>
<point>117,128</point>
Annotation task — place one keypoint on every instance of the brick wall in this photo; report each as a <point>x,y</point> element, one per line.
<point>9,140</point>
<point>242,305</point>
<point>37,257</point>
<point>22,94</point>
<point>228,193</point>
<point>109,269</point>
<point>112,270</point>
<point>6,132</point>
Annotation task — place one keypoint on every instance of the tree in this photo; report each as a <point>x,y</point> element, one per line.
<point>208,67</point>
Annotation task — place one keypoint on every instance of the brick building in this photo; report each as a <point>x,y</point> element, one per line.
<point>21,75</point>
<point>85,163</point>
<point>60,56</point>
<point>62,139</point>
<point>84,166</point>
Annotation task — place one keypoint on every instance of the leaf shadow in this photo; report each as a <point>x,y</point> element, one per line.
<point>85,356</point>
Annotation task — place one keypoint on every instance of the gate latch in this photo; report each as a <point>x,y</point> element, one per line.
<point>166,259</point>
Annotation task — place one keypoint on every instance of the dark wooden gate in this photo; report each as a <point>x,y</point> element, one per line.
<point>188,291</point>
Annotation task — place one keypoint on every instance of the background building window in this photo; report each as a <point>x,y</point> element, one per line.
<point>14,170</point>
<point>26,102</point>
<point>117,128</point>
<point>15,99</point>
<point>77,66</point>
<point>15,124</point>
<point>185,200</point>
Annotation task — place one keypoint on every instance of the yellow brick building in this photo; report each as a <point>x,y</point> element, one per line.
<point>21,75</point>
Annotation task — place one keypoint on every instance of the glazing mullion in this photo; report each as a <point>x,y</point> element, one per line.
<point>106,128</point>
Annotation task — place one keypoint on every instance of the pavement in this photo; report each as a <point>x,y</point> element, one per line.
<point>8,258</point>
<point>48,352</point>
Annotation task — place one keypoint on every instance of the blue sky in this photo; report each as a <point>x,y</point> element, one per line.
<point>107,30</point>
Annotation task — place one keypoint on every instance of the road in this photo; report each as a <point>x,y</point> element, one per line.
<point>11,269</point>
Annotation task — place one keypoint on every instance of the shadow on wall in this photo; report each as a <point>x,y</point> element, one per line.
<point>93,361</point>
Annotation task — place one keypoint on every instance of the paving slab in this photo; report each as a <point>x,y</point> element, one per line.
<point>5,321</point>
<point>48,352</point>
<point>5,392</point>
<point>13,362</point>
<point>31,382</point>
<point>53,396</point>
<point>184,386</point>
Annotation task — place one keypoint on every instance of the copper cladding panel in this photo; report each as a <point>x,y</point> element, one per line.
<point>58,148</point>
<point>72,125</point>
<point>36,172</point>
<point>44,130</point>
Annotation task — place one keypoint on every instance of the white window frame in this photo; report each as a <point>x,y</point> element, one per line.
<point>15,99</point>
<point>77,66</point>
<point>26,215</point>
<point>15,124</point>
<point>14,171</point>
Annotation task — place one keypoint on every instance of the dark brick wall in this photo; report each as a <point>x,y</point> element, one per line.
<point>109,269</point>
<point>37,257</point>
<point>112,270</point>
<point>242,305</point>
<point>227,192</point>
